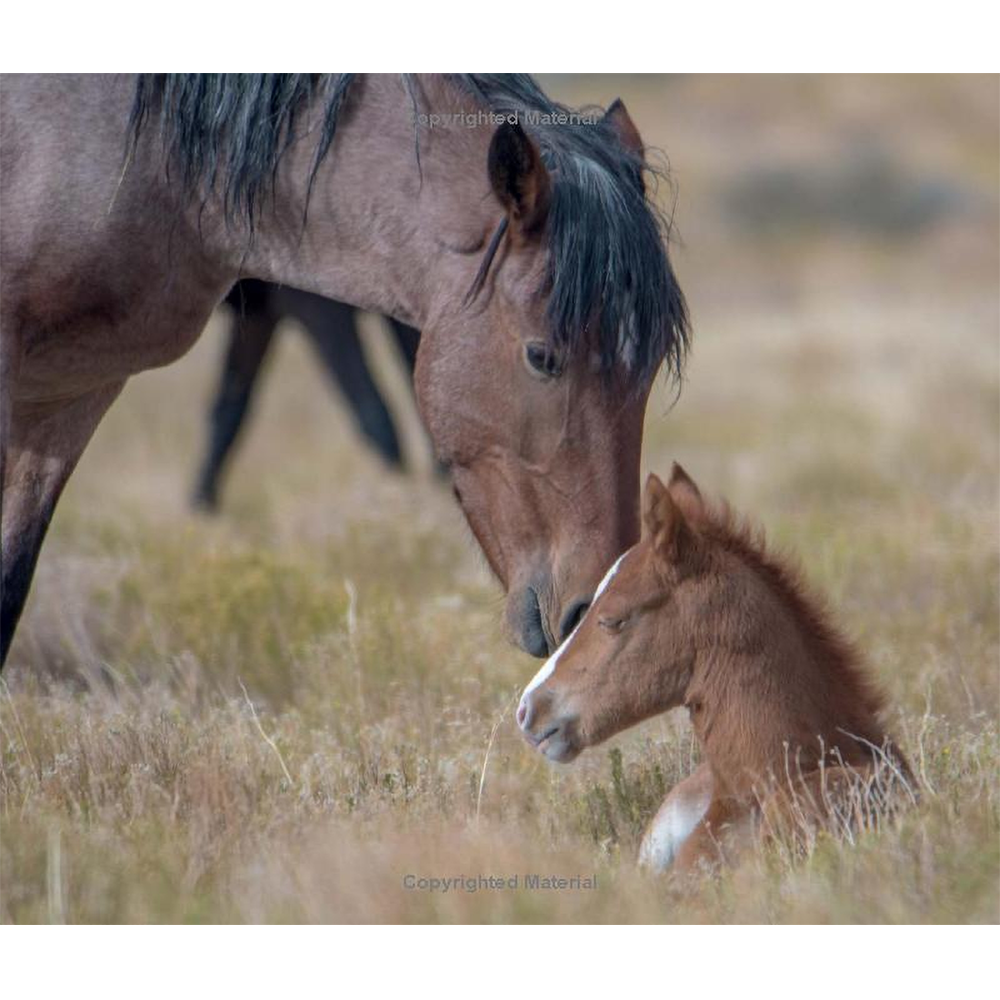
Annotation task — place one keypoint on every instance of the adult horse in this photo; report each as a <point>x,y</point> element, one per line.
<point>515,234</point>
<point>257,309</point>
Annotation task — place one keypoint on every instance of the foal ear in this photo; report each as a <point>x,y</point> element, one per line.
<point>662,520</point>
<point>519,178</point>
<point>686,494</point>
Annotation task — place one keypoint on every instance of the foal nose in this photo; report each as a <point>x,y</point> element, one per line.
<point>526,713</point>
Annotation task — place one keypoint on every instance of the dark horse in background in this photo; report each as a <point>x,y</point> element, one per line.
<point>258,308</point>
<point>514,233</point>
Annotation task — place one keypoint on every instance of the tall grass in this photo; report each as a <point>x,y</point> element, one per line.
<point>282,714</point>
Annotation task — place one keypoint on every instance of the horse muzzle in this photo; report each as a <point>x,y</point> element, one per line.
<point>526,622</point>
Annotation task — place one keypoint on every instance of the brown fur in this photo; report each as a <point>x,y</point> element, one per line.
<point>107,272</point>
<point>700,614</point>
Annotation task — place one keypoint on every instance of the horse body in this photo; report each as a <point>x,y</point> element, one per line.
<point>696,614</point>
<point>529,257</point>
<point>87,300</point>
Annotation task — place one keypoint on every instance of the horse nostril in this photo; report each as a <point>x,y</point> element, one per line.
<point>528,619</point>
<point>572,618</point>
<point>522,711</point>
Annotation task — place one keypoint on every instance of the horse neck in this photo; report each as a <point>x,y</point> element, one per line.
<point>775,689</point>
<point>397,212</point>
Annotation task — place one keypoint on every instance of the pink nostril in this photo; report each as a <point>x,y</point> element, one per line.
<point>522,711</point>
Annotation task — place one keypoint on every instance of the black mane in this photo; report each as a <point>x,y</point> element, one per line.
<point>234,128</point>
<point>607,240</point>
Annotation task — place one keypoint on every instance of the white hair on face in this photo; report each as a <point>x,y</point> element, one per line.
<point>550,664</point>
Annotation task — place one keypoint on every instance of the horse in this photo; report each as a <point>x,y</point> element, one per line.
<point>698,614</point>
<point>521,237</point>
<point>257,309</point>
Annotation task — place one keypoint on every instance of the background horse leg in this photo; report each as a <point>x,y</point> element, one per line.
<point>334,334</point>
<point>408,340</point>
<point>43,443</point>
<point>249,340</point>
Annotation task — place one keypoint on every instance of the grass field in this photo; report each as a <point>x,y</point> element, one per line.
<point>279,714</point>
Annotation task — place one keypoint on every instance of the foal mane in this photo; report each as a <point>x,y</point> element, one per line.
<point>611,282</point>
<point>746,541</point>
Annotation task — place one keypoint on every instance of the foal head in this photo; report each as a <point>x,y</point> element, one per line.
<point>697,613</point>
<point>633,653</point>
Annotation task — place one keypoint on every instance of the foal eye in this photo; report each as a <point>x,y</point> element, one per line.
<point>542,360</point>
<point>611,624</point>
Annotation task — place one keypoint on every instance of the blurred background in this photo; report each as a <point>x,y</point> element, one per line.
<point>838,242</point>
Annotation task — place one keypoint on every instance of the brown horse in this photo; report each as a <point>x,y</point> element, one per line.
<point>698,614</point>
<point>516,234</point>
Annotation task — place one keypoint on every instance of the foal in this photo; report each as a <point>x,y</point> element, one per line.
<point>697,614</point>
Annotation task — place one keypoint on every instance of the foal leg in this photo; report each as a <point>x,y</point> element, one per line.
<point>838,799</point>
<point>719,836</point>
<point>675,820</point>
<point>249,340</point>
<point>42,443</point>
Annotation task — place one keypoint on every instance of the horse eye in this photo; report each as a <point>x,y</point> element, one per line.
<point>541,359</point>
<point>611,624</point>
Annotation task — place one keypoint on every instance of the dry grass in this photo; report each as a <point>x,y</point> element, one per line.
<point>844,389</point>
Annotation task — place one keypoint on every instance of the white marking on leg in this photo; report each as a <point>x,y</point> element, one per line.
<point>671,826</point>
<point>550,664</point>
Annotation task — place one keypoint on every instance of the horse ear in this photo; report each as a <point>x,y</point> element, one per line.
<point>519,178</point>
<point>662,520</point>
<point>686,494</point>
<point>620,120</point>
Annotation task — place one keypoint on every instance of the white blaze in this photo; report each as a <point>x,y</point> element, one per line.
<point>550,664</point>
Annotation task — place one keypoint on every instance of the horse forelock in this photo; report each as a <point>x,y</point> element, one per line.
<point>612,284</point>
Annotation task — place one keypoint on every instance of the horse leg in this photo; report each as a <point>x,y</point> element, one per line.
<point>42,443</point>
<point>408,340</point>
<point>249,339</point>
<point>674,821</point>
<point>336,340</point>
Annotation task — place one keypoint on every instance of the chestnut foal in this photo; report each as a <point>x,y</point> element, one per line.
<point>697,614</point>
